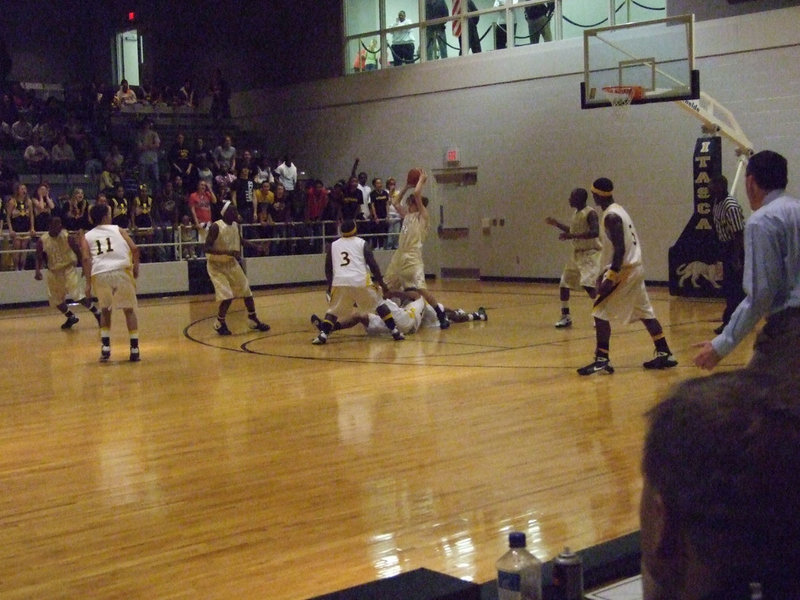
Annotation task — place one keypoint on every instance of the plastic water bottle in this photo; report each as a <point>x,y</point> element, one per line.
<point>519,573</point>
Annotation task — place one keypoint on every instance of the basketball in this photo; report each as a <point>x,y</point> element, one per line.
<point>413,177</point>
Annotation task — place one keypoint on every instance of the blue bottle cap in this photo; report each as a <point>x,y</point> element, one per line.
<point>516,539</point>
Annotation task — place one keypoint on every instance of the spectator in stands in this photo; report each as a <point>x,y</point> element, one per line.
<point>88,156</point>
<point>19,219</point>
<point>109,178</point>
<point>721,490</point>
<point>125,95</point>
<point>220,97</point>
<point>49,129</point>
<point>148,144</point>
<point>201,151</point>
<point>37,158</point>
<point>43,207</point>
<point>144,219</point>
<point>352,201</point>
<point>185,96</point>
<point>75,130</point>
<point>171,204</point>
<point>200,208</point>
<point>119,208</point>
<point>378,211</point>
<point>316,203</point>
<point>286,172</point>
<point>263,198</point>
<point>263,171</point>
<point>298,211</point>
<point>8,176</point>
<point>330,213</point>
<point>225,157</point>
<point>204,173</point>
<point>63,156</point>
<point>75,215</point>
<point>243,187</point>
<point>280,216</point>
<point>22,130</point>
<point>180,159</point>
<point>8,112</point>
<point>394,218</point>
<point>117,158</point>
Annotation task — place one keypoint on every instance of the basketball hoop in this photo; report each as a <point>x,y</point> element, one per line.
<point>621,96</point>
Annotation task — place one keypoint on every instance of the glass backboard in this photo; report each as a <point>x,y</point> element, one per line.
<point>654,58</point>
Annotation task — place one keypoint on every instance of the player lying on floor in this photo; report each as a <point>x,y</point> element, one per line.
<point>409,311</point>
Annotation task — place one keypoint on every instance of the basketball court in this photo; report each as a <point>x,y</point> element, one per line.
<point>259,465</point>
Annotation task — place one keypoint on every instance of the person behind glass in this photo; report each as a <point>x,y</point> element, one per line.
<point>36,157</point>
<point>721,493</point>
<point>771,273</point>
<point>435,34</point>
<point>63,155</point>
<point>148,143</point>
<point>263,198</point>
<point>145,218</point>
<point>729,227</point>
<point>402,41</point>
<point>185,95</point>
<point>500,32</point>
<point>243,188</point>
<point>538,18</point>
<point>472,30</point>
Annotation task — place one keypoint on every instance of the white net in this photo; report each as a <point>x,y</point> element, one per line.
<point>620,99</point>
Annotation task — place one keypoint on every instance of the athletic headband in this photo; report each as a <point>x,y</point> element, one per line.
<point>602,193</point>
<point>225,207</point>
<point>350,233</point>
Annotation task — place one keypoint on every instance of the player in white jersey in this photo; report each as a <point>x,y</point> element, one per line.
<point>223,248</point>
<point>350,268</point>
<point>406,270</point>
<point>621,293</point>
<point>583,267</point>
<point>111,266</point>
<point>60,251</point>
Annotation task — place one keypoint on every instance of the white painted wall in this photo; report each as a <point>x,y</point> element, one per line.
<point>516,116</point>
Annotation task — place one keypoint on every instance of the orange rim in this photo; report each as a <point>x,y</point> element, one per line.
<point>636,92</point>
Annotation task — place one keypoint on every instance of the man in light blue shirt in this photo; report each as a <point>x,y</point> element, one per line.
<point>771,273</point>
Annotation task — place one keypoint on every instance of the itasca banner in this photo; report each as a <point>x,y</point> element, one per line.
<point>694,265</point>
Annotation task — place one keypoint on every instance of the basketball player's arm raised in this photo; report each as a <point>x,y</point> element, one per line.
<point>134,251</point>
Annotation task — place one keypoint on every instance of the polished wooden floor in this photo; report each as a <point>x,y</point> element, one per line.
<point>261,466</point>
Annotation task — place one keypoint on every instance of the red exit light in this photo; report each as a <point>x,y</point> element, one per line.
<point>131,16</point>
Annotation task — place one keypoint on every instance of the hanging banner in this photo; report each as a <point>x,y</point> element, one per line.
<point>694,265</point>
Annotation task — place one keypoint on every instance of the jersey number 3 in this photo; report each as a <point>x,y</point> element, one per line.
<point>345,259</point>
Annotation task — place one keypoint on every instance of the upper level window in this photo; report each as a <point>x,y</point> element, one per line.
<point>381,34</point>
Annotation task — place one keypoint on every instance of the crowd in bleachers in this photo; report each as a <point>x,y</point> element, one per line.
<point>60,156</point>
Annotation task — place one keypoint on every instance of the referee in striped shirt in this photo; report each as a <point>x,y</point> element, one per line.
<point>729,226</point>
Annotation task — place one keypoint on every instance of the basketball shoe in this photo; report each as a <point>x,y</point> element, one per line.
<point>564,321</point>
<point>600,365</point>
<point>221,328</point>
<point>662,360</point>
<point>71,320</point>
<point>320,339</point>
